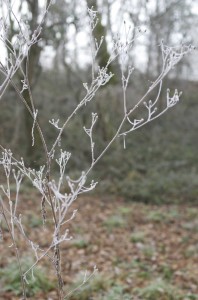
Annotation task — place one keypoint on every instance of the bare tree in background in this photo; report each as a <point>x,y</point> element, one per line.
<point>53,33</point>
<point>172,21</point>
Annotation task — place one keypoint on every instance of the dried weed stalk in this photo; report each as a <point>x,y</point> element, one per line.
<point>42,179</point>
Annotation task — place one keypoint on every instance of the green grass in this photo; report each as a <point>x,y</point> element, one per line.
<point>124,210</point>
<point>159,290</point>
<point>173,214</point>
<point>191,297</point>
<point>192,212</point>
<point>35,221</point>
<point>96,285</point>
<point>80,243</point>
<point>191,226</point>
<point>191,251</point>
<point>99,288</point>
<point>116,293</point>
<point>148,251</point>
<point>10,279</point>
<point>156,216</point>
<point>137,237</point>
<point>116,221</point>
<point>166,272</point>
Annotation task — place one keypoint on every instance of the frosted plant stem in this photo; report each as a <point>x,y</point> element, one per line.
<point>86,279</point>
<point>23,285</point>
<point>127,114</point>
<point>90,94</point>
<point>48,161</point>
<point>49,187</point>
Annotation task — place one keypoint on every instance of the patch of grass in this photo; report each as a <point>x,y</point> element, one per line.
<point>138,264</point>
<point>144,275</point>
<point>95,286</point>
<point>191,226</point>
<point>35,221</point>
<point>137,237</point>
<point>191,297</point>
<point>186,239</point>
<point>142,269</point>
<point>192,251</point>
<point>159,290</point>
<point>192,212</point>
<point>116,221</point>
<point>11,281</point>
<point>124,210</point>
<point>166,272</point>
<point>118,261</point>
<point>173,214</point>
<point>156,216</point>
<point>78,230</point>
<point>148,251</point>
<point>80,243</point>
<point>3,226</point>
<point>116,293</point>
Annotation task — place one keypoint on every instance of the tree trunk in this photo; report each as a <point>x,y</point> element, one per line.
<point>33,153</point>
<point>99,31</point>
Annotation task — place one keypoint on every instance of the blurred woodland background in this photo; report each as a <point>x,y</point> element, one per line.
<point>160,162</point>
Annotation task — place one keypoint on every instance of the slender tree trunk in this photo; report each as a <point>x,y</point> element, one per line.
<point>101,31</point>
<point>33,68</point>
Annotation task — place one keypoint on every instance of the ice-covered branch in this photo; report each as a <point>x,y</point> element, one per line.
<point>89,132</point>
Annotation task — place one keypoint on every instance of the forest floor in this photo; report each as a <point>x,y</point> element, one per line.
<point>142,251</point>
